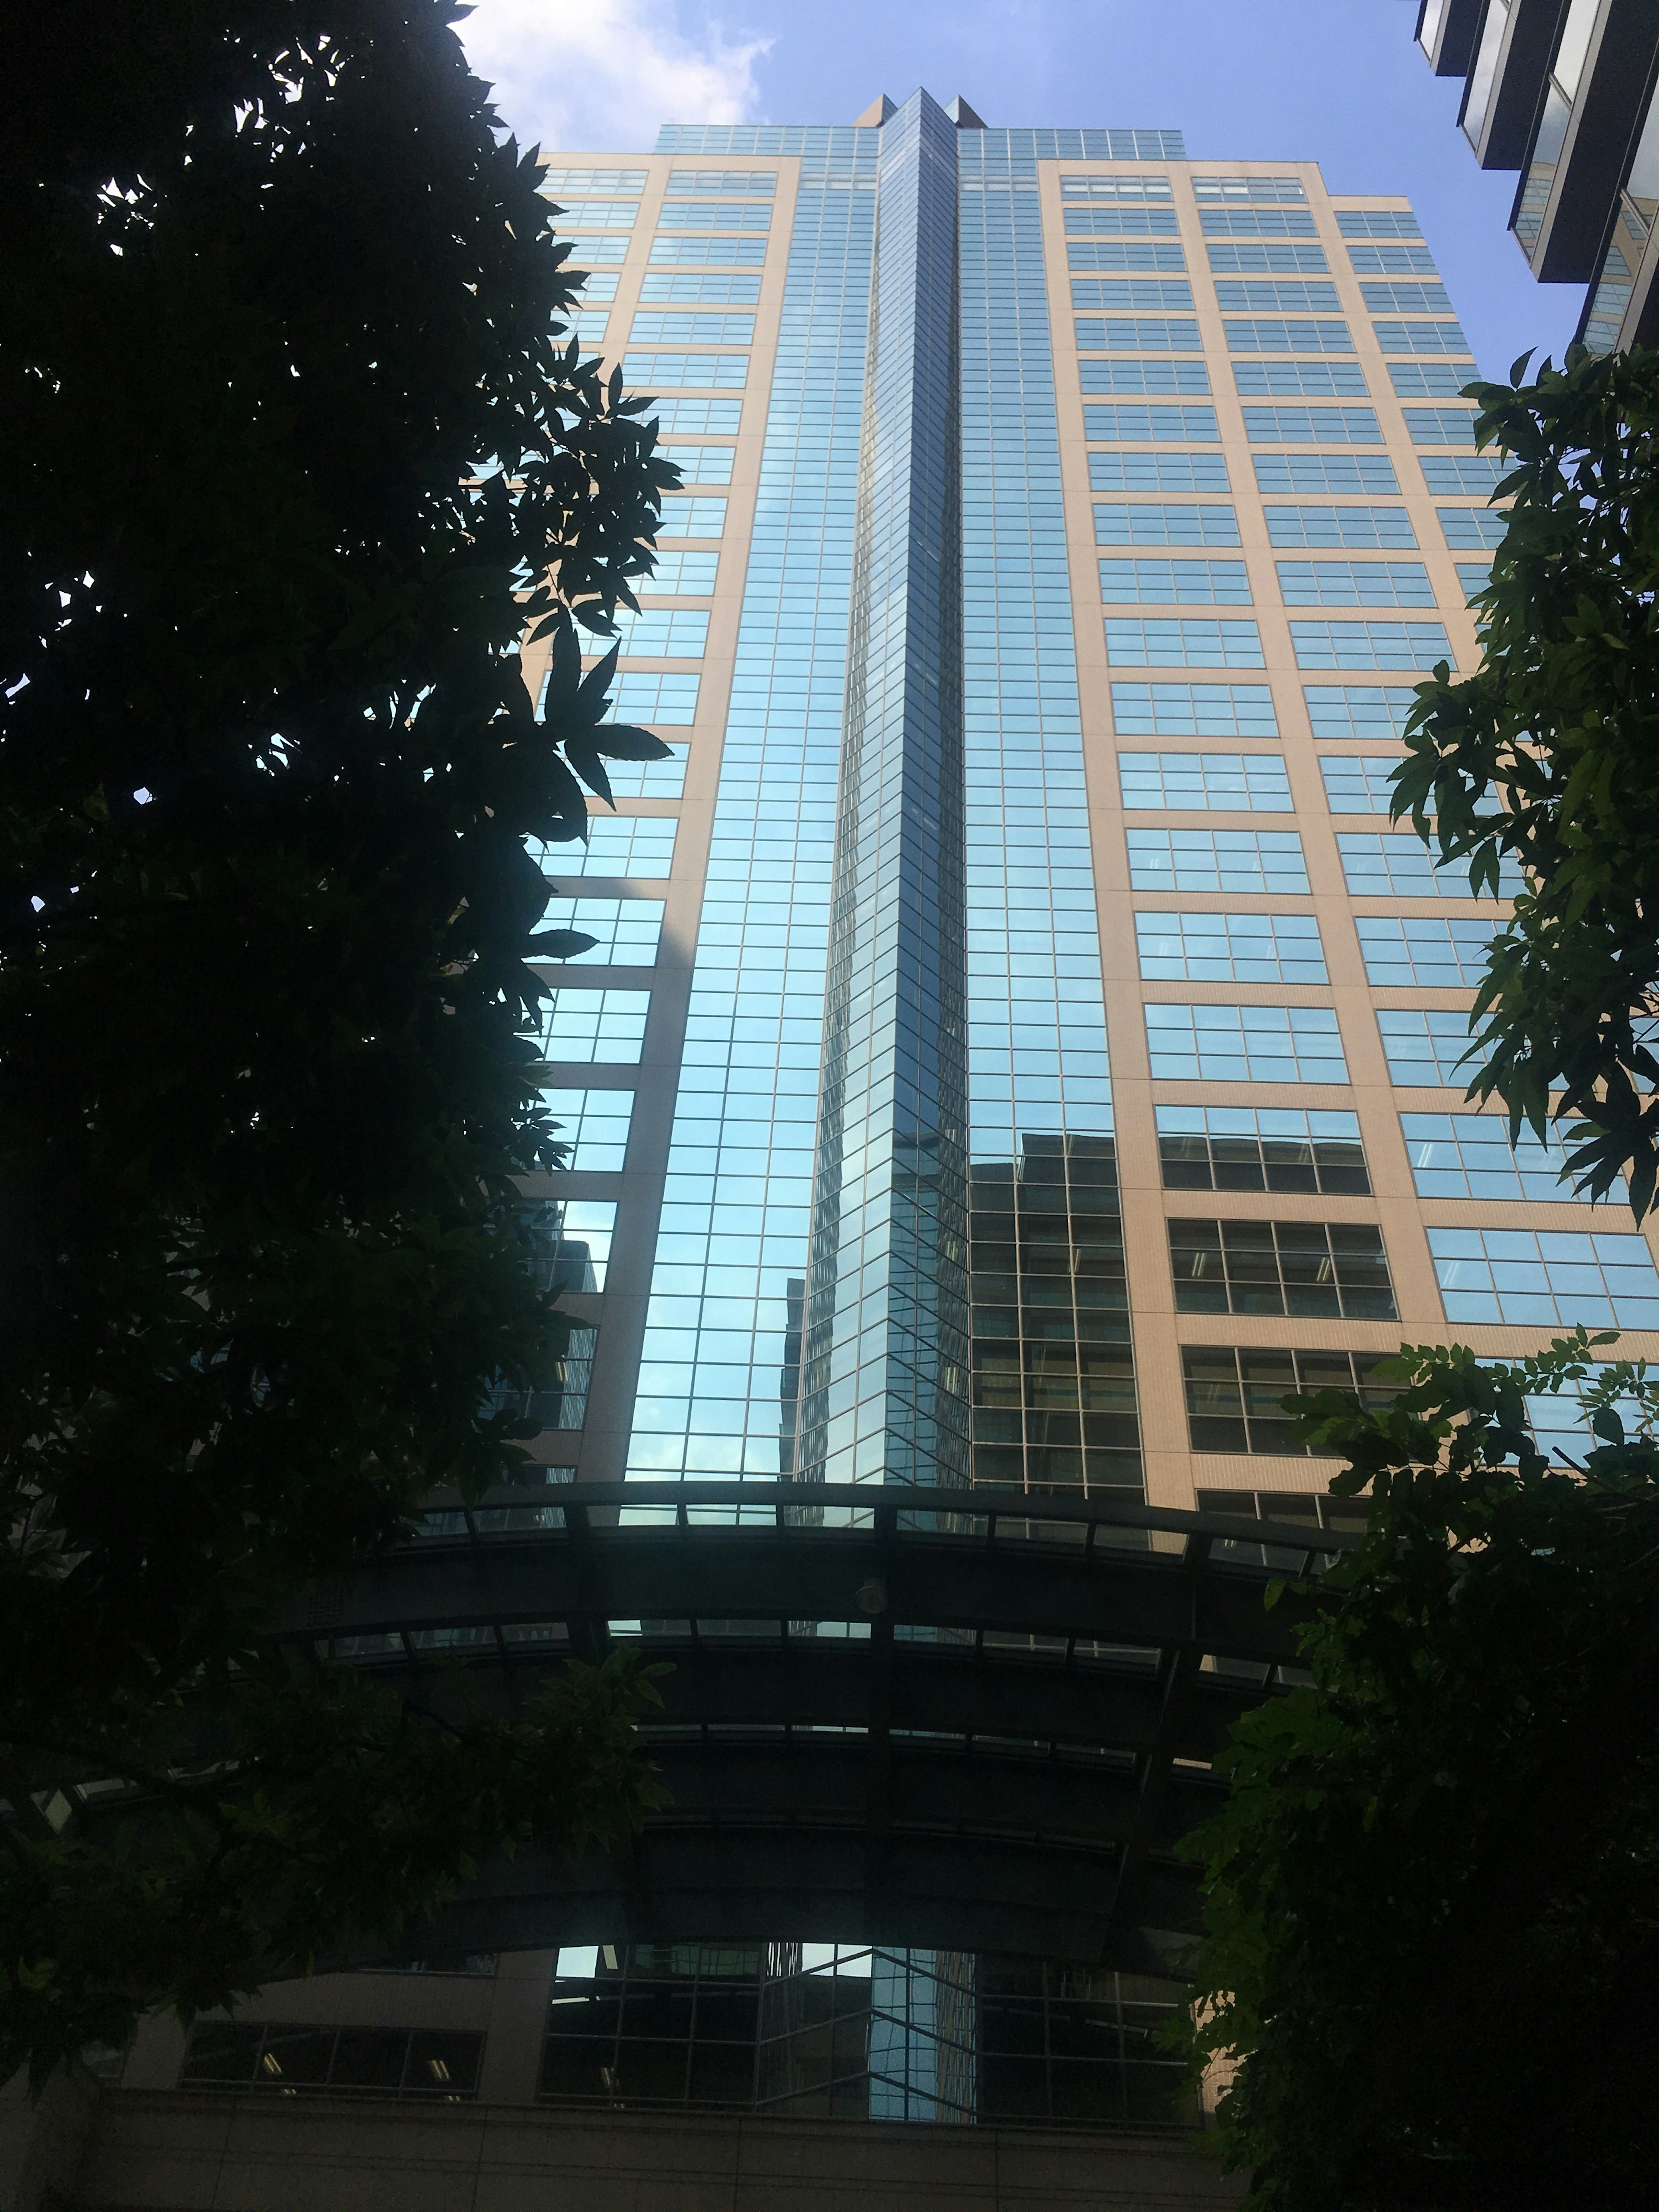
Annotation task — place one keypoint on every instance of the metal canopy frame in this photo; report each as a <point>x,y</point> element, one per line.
<point>922,1718</point>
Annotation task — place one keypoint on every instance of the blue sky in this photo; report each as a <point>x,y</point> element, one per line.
<point>1338,82</point>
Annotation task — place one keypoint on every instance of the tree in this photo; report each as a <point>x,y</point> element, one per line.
<point>297,449</point>
<point>1561,721</point>
<point>1432,1898</point>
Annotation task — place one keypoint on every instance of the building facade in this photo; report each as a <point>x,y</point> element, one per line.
<point>1562,91</point>
<point>1017,1048</point>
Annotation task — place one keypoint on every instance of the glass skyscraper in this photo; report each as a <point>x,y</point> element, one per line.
<point>1019,1047</point>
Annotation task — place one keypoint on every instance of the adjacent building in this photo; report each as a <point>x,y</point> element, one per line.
<point>1018,1046</point>
<point>1562,91</point>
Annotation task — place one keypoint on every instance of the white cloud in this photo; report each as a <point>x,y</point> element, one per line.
<point>601,75</point>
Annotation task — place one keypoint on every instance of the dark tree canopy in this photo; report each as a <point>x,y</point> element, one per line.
<point>296,447</point>
<point>1432,1913</point>
<point>1560,724</point>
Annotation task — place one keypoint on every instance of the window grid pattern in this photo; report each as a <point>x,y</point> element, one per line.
<point>720,371</point>
<point>1121,292</point>
<point>1422,338</point>
<point>1185,523</point>
<point>1359,710</point>
<point>1140,334</point>
<point>1359,783</point>
<point>1389,864</point>
<point>1428,1048</point>
<point>692,518</point>
<point>716,1393</point>
<point>1377,222</point>
<point>1300,380</point>
<point>1380,529</point>
<point>1330,426</point>
<point>672,326</point>
<point>1175,583</point>
<point>1244,1045</point>
<point>1470,1156</point>
<point>1392,261</point>
<point>655,779</point>
<point>1405,299</point>
<point>660,634</point>
<point>1230,948</point>
<point>1194,472</point>
<point>1235,1396</point>
<point>1473,529</point>
<point>1369,645</point>
<point>626,932</point>
<point>1544,1278</point>
<point>1257,222</point>
<point>1430,379</point>
<point>1276,260</point>
<point>1052,1374</point>
<point>1262,861</point>
<point>1355,583</point>
<point>1193,710</point>
<point>1140,425</point>
<point>593,1124</point>
<point>1303,1268</point>
<point>681,576</point>
<point>1140,253</point>
<point>1243,782</point>
<point>704,418</point>
<point>701,464</point>
<point>1266,1148</point>
<point>708,252</point>
<point>1440,426</point>
<point>617,845</point>
<point>1276,295</point>
<point>1149,378</point>
<point>1449,475</point>
<point>697,287</point>
<point>1401,951</point>
<point>1180,644</point>
<point>571,1238</point>
<point>1325,472</point>
<point>575,1024</point>
<point>1293,334</point>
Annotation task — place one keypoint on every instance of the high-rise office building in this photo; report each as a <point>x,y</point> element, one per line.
<point>1563,91</point>
<point>1019,1048</point>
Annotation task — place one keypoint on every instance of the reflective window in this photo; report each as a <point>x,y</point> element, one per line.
<point>1193,710</point>
<point>1392,261</point>
<point>1430,379</point>
<point>1151,377</point>
<point>1250,783</point>
<point>1428,1048</point>
<point>1175,583</point>
<point>1470,1156</point>
<point>1476,473</point>
<point>1138,334</point>
<point>1324,472</point>
<point>385,2062</point>
<point>1276,294</point>
<point>1260,1148</point>
<point>1377,222</point>
<point>654,778</point>
<point>617,845</point>
<point>1330,426</point>
<point>1381,527</point>
<point>1390,864</point>
<point>1128,292</point>
<point>1403,950</point>
<point>670,326</point>
<point>681,576</point>
<point>572,1236</point>
<point>1300,380</point>
<point>1440,426</point>
<point>701,464</point>
<point>1158,471</point>
<point>687,252</point>
<point>593,1124</point>
<point>1424,337</point>
<point>1473,529</point>
<point>702,290</point>
<point>1285,260</point>
<point>1255,860</point>
<point>1544,1279</point>
<point>1128,253</point>
<point>667,702</point>
<point>733,184</point>
<point>660,634</point>
<point>1279,335</point>
<point>732,214</point>
<point>625,931</point>
<point>1235,1396</point>
<point>647,370</point>
<point>1335,1268</point>
<point>692,518</point>
<point>1257,222</point>
<point>1114,188</point>
<point>555,181</point>
<point>1405,299</point>
<point>1359,783</point>
<point>709,418</point>
<point>1359,710</point>
<point>1207,191</point>
<point>577,1024</point>
<point>1369,645</point>
<point>1178,644</point>
<point>1132,425</point>
<point>1355,583</point>
<point>1143,523</point>
<point>1230,948</point>
<point>1473,576</point>
<point>1244,1045</point>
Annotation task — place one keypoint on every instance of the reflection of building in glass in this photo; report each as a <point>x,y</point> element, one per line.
<point>1016,1050</point>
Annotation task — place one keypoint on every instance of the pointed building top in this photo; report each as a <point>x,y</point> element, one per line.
<point>963,116</point>
<point>875,114</point>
